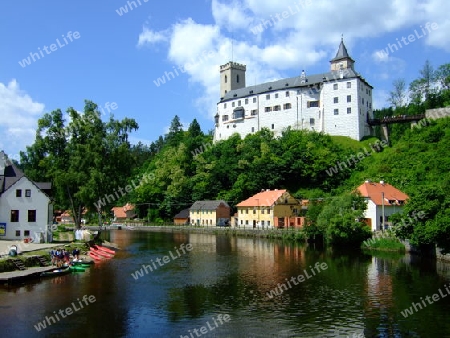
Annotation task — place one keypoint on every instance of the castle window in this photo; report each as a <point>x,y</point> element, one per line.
<point>362,100</point>
<point>367,91</point>
<point>224,106</point>
<point>273,126</point>
<point>237,78</point>
<point>311,123</point>
<point>349,110</point>
<point>336,111</point>
<point>335,86</point>
<point>287,106</point>
<point>268,97</point>
<point>254,100</point>
<point>313,104</point>
<point>246,101</point>
<point>276,95</point>
<point>349,98</point>
<point>226,79</point>
<point>238,113</point>
<point>268,109</point>
<point>233,104</point>
<point>349,85</point>
<point>253,129</point>
<point>336,100</point>
<point>254,112</point>
<point>287,94</point>
<point>224,117</point>
<point>277,108</point>
<point>239,102</point>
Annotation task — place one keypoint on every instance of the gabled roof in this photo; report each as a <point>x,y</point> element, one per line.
<point>265,198</point>
<point>12,175</point>
<point>375,192</point>
<point>208,205</point>
<point>341,53</point>
<point>121,212</point>
<point>182,214</point>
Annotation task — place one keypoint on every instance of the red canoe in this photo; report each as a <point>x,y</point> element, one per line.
<point>102,248</point>
<point>94,256</point>
<point>101,253</point>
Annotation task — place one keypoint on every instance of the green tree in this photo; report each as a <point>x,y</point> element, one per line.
<point>85,159</point>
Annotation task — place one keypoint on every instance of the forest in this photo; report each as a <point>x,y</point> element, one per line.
<point>87,158</point>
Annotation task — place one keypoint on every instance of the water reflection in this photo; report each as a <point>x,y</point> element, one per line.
<point>356,294</point>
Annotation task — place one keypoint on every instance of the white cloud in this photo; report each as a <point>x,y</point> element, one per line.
<point>148,37</point>
<point>299,34</point>
<point>18,120</point>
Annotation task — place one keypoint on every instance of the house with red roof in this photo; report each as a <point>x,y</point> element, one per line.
<point>383,200</point>
<point>268,209</point>
<point>123,213</point>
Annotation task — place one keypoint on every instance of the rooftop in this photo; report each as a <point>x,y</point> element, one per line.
<point>376,191</point>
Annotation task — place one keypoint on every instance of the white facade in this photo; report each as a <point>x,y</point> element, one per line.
<point>337,103</point>
<point>27,216</point>
<point>375,214</point>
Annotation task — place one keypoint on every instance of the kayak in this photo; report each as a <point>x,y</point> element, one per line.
<point>56,272</point>
<point>81,262</point>
<point>102,248</point>
<point>101,253</point>
<point>77,269</point>
<point>94,256</point>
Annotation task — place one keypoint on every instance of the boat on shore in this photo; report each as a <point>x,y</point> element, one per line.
<point>95,257</point>
<point>105,249</point>
<point>56,272</point>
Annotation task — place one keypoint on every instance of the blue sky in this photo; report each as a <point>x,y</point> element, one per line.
<point>117,59</point>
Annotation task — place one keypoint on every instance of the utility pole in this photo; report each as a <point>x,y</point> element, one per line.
<point>382,210</point>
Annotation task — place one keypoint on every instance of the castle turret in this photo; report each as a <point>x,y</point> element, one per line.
<point>232,76</point>
<point>342,60</point>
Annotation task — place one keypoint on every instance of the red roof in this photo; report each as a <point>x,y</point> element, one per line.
<point>375,191</point>
<point>121,212</point>
<point>265,198</point>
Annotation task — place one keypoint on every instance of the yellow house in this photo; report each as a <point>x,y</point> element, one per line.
<point>210,213</point>
<point>268,209</point>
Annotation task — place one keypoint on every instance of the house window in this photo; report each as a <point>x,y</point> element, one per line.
<point>349,98</point>
<point>254,211</point>
<point>224,106</point>
<point>336,100</point>
<point>349,110</point>
<point>254,112</point>
<point>246,222</point>
<point>312,104</point>
<point>17,233</point>
<point>287,94</point>
<point>276,95</point>
<point>311,123</point>
<point>246,211</point>
<point>268,97</point>
<point>335,86</point>
<point>246,101</point>
<point>268,223</point>
<point>254,100</point>
<point>262,223</point>
<point>287,106</point>
<point>31,215</point>
<point>253,129</point>
<point>273,126</point>
<point>18,193</point>
<point>26,233</point>
<point>262,210</point>
<point>349,85</point>
<point>14,215</point>
<point>239,102</point>
<point>276,108</point>
<point>268,109</point>
<point>225,118</point>
<point>233,104</point>
<point>336,111</point>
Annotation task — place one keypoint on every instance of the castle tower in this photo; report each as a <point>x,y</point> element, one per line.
<point>232,76</point>
<point>342,60</point>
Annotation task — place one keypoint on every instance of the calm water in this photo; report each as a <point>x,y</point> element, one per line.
<point>356,296</point>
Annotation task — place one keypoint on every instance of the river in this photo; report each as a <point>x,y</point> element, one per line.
<point>207,285</point>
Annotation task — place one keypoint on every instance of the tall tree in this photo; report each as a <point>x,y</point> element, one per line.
<point>422,88</point>
<point>397,97</point>
<point>86,159</point>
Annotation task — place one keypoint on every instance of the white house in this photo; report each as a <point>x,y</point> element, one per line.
<point>338,102</point>
<point>26,210</point>
<point>382,199</point>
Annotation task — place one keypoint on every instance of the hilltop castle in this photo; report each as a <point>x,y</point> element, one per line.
<point>338,102</point>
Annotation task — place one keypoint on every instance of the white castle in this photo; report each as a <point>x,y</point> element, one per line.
<point>338,102</point>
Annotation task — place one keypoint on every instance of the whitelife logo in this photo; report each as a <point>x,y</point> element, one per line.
<point>53,47</point>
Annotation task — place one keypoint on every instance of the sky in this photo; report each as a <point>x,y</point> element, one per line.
<point>152,60</point>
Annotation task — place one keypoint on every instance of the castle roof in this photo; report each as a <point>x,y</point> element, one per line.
<point>341,53</point>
